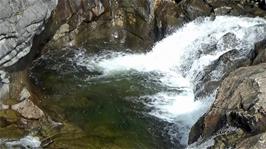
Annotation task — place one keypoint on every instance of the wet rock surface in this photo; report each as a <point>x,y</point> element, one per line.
<point>237,56</point>
<point>240,104</point>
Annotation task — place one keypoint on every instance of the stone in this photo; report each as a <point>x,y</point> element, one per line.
<point>168,17</point>
<point>131,25</point>
<point>254,142</point>
<point>4,122</point>
<point>4,107</point>
<point>28,109</point>
<point>240,103</point>
<point>19,23</point>
<point>24,94</point>
<point>195,8</point>
<point>224,10</point>
<point>260,52</point>
<point>237,8</point>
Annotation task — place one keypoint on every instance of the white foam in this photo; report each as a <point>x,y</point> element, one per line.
<point>27,142</point>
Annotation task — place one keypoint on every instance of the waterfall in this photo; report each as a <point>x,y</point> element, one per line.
<point>176,61</point>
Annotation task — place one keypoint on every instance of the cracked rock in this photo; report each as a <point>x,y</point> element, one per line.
<point>240,103</point>
<point>20,21</point>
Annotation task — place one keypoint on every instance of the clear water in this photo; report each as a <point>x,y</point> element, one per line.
<point>128,100</point>
<point>105,109</point>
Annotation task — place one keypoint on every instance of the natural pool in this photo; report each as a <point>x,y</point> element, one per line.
<point>105,109</point>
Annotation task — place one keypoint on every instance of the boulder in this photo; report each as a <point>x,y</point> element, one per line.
<point>28,109</point>
<point>20,21</point>
<point>240,104</point>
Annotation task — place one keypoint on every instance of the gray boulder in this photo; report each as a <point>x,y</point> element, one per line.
<point>20,21</point>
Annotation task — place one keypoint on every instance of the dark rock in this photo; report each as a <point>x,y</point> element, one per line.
<point>195,8</point>
<point>4,122</point>
<point>260,52</point>
<point>237,7</point>
<point>209,79</point>
<point>168,17</point>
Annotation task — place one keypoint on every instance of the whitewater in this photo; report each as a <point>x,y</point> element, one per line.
<point>175,62</point>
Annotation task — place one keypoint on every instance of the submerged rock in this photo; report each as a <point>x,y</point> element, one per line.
<point>28,109</point>
<point>27,142</point>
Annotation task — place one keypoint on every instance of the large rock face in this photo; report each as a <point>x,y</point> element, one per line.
<point>96,25</point>
<point>238,111</point>
<point>110,24</point>
<point>20,20</point>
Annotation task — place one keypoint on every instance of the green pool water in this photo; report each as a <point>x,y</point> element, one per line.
<point>103,111</point>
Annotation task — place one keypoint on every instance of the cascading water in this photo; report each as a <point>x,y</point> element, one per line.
<point>174,64</point>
